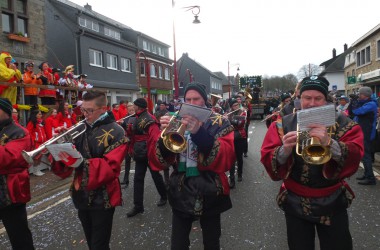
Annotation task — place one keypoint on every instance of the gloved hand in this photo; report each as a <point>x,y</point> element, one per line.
<point>70,161</point>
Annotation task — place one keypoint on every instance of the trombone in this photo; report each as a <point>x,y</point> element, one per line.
<point>69,136</point>
<point>122,119</point>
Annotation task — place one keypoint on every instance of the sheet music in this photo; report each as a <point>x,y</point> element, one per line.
<point>55,149</point>
<point>202,114</point>
<point>324,115</point>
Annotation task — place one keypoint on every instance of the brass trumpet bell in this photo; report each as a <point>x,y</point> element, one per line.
<point>173,135</point>
<point>311,149</point>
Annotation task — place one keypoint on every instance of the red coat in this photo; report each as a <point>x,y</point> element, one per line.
<point>37,133</point>
<point>51,123</point>
<point>67,121</point>
<point>49,80</point>
<point>122,111</point>
<point>13,167</point>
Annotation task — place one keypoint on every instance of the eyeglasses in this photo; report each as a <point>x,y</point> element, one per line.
<point>88,111</point>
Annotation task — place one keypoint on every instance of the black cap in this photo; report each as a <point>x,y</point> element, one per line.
<point>318,83</point>
<point>200,88</point>
<point>141,102</point>
<point>6,106</point>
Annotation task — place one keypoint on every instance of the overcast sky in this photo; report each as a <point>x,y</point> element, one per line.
<point>265,37</point>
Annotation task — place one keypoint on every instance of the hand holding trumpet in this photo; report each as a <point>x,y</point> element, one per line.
<point>191,123</point>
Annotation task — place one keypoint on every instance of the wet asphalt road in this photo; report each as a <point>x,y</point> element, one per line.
<point>254,222</point>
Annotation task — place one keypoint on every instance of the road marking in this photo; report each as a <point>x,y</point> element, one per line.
<point>249,139</point>
<point>250,132</point>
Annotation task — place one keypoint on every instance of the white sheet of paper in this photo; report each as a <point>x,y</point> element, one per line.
<point>55,149</point>
<point>202,114</point>
<point>324,115</point>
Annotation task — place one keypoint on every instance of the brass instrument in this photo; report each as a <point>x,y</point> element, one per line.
<point>174,135</point>
<point>311,149</point>
<point>215,99</point>
<point>67,136</point>
<point>247,95</point>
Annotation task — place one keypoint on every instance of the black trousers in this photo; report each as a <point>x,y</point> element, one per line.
<point>127,163</point>
<point>15,221</point>
<point>97,226</point>
<point>138,185</point>
<point>246,139</point>
<point>239,149</point>
<point>301,233</point>
<point>181,227</point>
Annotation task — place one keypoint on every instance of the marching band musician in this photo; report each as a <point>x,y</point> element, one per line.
<point>14,179</point>
<point>95,189</point>
<point>237,119</point>
<point>293,105</point>
<point>198,186</point>
<point>143,126</point>
<point>127,124</point>
<point>314,196</point>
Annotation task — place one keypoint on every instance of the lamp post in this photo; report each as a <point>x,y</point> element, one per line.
<point>147,74</point>
<point>195,10</point>
<point>229,77</point>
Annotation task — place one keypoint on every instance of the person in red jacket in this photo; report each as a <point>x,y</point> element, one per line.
<point>198,186</point>
<point>95,189</point>
<point>14,179</point>
<point>123,109</point>
<point>47,96</point>
<point>65,117</point>
<point>238,120</point>
<point>52,127</point>
<point>115,111</point>
<point>36,129</point>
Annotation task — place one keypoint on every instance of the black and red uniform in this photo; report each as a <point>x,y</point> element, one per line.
<point>14,183</point>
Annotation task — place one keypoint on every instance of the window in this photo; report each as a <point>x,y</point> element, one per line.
<point>126,64</point>
<point>153,70</point>
<point>142,68</point>
<point>21,26</point>
<point>363,57</point>
<point>167,75</point>
<point>7,23</point>
<point>88,24</point>
<point>111,61</point>
<point>21,7</point>
<point>154,49</point>
<point>378,49</point>
<point>112,33</point>
<point>160,75</point>
<point>96,58</point>
<point>4,4</point>
<point>145,45</point>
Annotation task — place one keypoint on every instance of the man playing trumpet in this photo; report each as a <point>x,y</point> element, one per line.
<point>314,196</point>
<point>198,186</point>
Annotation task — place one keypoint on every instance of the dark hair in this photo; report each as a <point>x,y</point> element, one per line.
<point>121,102</point>
<point>99,97</point>
<point>33,117</point>
<point>61,108</point>
<point>114,105</point>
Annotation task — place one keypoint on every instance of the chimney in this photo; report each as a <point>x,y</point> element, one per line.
<point>88,7</point>
<point>345,46</point>
<point>334,53</point>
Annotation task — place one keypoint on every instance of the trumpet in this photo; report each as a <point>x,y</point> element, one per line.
<point>231,112</point>
<point>174,135</point>
<point>311,149</point>
<point>69,136</point>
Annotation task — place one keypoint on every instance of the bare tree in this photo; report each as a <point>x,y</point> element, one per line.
<point>308,70</point>
<point>276,85</point>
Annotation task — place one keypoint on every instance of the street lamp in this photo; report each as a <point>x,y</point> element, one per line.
<point>147,73</point>
<point>195,10</point>
<point>229,77</point>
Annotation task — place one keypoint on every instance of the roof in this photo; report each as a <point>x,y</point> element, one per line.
<point>336,65</point>
<point>373,30</point>
<point>93,14</point>
<point>185,56</point>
